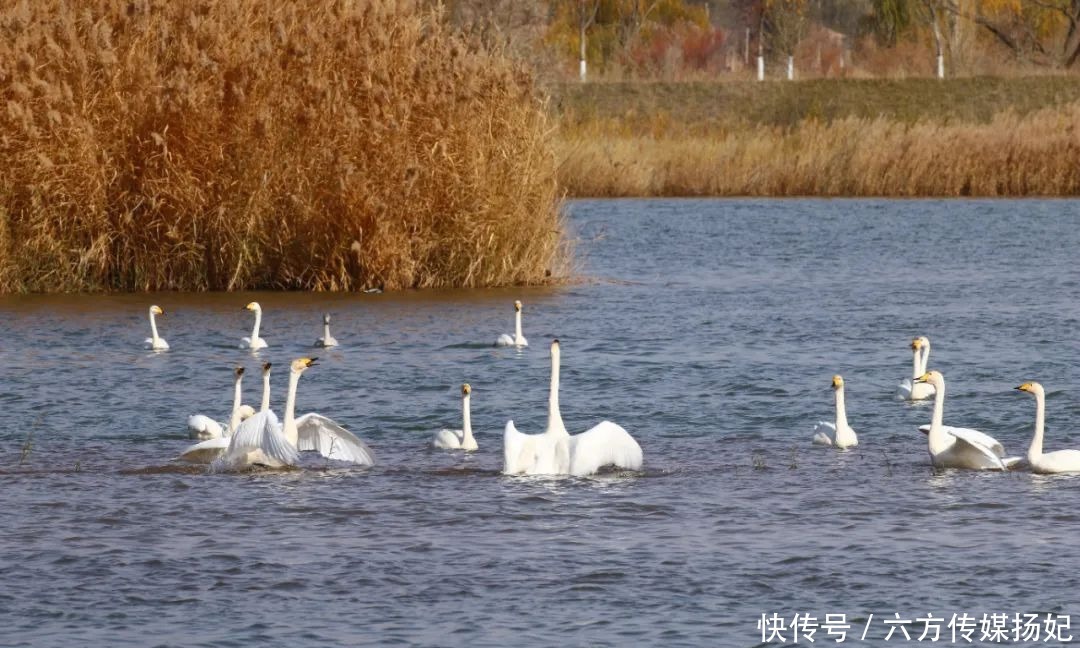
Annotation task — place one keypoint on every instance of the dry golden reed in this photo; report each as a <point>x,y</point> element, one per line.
<point>1036,154</point>
<point>239,144</point>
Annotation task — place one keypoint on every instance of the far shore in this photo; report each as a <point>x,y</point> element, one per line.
<point>976,137</point>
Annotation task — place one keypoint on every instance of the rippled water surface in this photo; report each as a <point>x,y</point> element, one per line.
<point>710,330</point>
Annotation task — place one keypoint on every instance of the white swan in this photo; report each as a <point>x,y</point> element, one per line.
<point>156,342</point>
<point>518,340</point>
<point>262,440</point>
<point>201,426</point>
<point>1059,461</point>
<point>254,342</point>
<point>839,433</point>
<point>909,389</point>
<point>458,439</point>
<point>555,452</point>
<point>326,340</point>
<point>953,447</point>
<point>217,442</point>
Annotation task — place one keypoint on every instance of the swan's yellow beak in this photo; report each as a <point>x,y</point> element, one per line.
<point>837,382</point>
<point>1025,387</point>
<point>466,389</point>
<point>916,344</point>
<point>301,364</point>
<point>923,378</point>
<point>251,306</point>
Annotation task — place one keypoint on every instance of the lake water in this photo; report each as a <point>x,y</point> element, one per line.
<point>708,329</point>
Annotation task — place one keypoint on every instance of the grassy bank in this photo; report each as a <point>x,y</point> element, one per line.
<point>242,144</point>
<point>920,137</point>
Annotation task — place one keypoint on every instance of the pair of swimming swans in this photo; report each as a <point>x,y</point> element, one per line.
<point>263,440</point>
<point>462,439</point>
<point>518,340</point>
<point>837,433</point>
<point>557,452</point>
<point>910,388</point>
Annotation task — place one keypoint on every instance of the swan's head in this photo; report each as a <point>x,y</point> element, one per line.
<point>837,381</point>
<point>517,306</point>
<point>916,343</point>
<point>157,310</point>
<point>266,368</point>
<point>554,348</point>
<point>1031,388</point>
<point>326,318</point>
<point>238,372</point>
<point>466,389</point>
<point>301,364</point>
<point>933,377</point>
<point>253,306</point>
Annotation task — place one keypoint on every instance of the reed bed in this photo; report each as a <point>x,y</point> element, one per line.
<point>1035,154</point>
<point>242,144</point>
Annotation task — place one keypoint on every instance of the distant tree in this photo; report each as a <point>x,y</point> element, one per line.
<point>891,19</point>
<point>1042,31</point>
<point>618,28</point>
<point>784,23</point>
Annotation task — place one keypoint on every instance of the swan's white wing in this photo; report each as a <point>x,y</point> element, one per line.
<point>245,343</point>
<point>325,436</point>
<point>524,342</point>
<point>903,390</point>
<point>519,451</point>
<point>205,452</point>
<point>978,441</point>
<point>448,439</point>
<point>973,437</point>
<point>606,444</point>
<point>504,340</point>
<point>259,435</point>
<point>824,432</point>
<point>203,427</point>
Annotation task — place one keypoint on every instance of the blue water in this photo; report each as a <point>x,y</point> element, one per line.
<point>708,329</point>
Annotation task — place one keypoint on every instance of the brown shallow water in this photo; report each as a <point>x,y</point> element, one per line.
<point>711,332</point>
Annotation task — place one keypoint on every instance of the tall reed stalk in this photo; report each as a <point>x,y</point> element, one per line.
<point>238,144</point>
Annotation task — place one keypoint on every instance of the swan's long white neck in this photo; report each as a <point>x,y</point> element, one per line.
<point>153,327</point>
<point>466,422</point>
<point>938,440</point>
<point>841,411</point>
<point>234,420</point>
<point>924,353</point>
<point>258,322</point>
<point>1035,450</point>
<point>555,422</point>
<point>518,337</point>
<point>917,363</point>
<point>326,331</point>
<point>266,392</point>
<point>289,425</point>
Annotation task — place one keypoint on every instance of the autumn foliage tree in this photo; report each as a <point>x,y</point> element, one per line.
<point>642,36</point>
